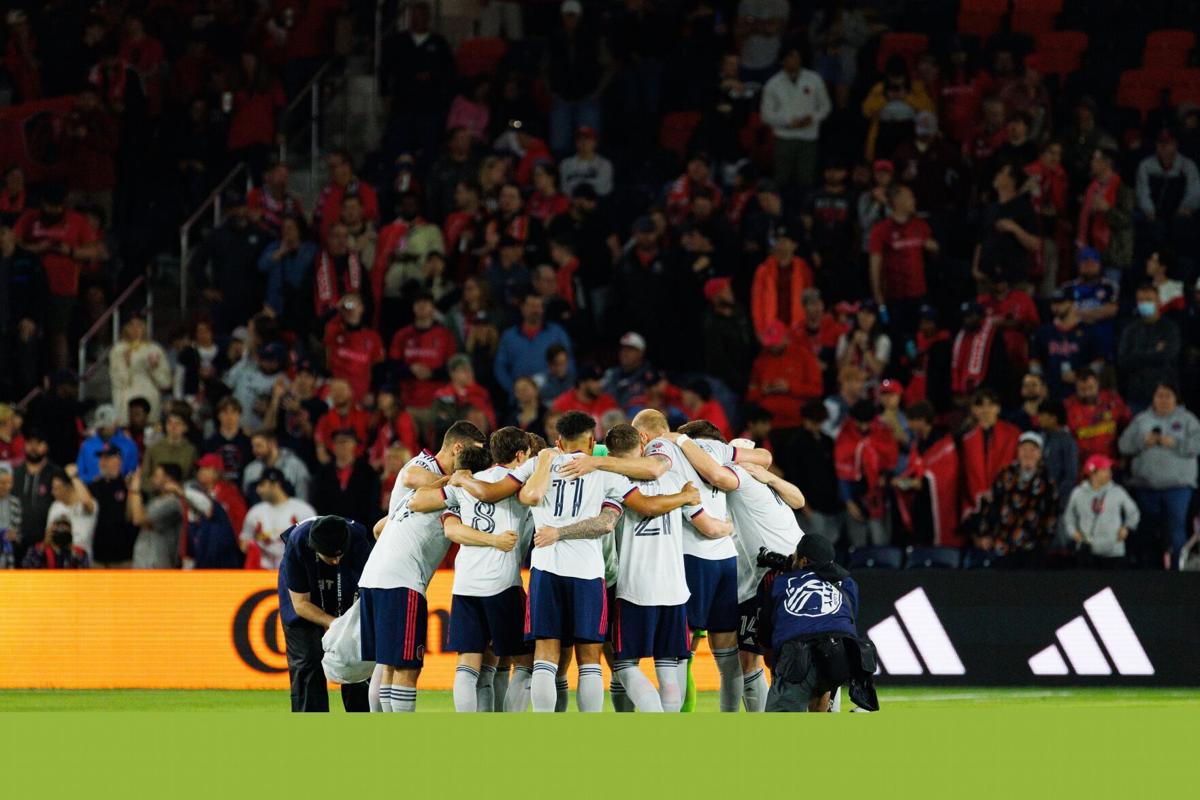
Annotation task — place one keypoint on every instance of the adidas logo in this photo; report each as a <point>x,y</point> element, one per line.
<point>922,626</point>
<point>1085,653</point>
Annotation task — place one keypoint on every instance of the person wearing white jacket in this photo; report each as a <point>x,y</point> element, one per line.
<point>1100,515</point>
<point>794,104</point>
<point>138,367</point>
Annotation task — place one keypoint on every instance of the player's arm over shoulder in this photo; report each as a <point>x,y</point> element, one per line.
<point>429,498</point>
<point>415,476</point>
<point>708,525</point>
<point>657,505</point>
<point>712,471</point>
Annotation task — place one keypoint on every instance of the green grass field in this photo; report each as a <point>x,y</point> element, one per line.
<point>894,698</point>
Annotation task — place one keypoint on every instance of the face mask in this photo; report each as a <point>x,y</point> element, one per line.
<point>1147,308</point>
<point>61,538</point>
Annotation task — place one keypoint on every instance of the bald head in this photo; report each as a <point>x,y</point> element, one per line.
<point>651,423</point>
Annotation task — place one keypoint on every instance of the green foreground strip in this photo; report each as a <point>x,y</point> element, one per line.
<point>894,698</point>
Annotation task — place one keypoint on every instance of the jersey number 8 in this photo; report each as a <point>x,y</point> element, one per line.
<point>484,520</point>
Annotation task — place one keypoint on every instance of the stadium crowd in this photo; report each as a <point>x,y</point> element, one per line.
<point>953,288</point>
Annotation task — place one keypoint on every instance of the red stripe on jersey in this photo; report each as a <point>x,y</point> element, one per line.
<point>603,607</point>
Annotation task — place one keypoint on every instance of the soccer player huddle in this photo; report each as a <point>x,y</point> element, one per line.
<point>633,555</point>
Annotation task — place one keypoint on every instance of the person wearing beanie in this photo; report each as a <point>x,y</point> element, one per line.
<point>323,559</point>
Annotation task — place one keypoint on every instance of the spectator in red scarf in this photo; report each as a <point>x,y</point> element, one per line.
<point>270,203</point>
<point>785,375</point>
<point>977,358</point>
<point>864,452</point>
<point>1106,214</point>
<point>1020,518</point>
<point>351,349</point>
<point>339,272</point>
<point>343,413</point>
<point>463,391</point>
<point>779,284</point>
<point>697,176</point>
<point>343,181</point>
<point>985,449</point>
<point>512,220</point>
<point>418,356</point>
<point>1016,316</point>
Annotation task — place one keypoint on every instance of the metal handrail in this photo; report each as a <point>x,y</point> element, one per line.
<point>185,230</point>
<point>312,92</point>
<point>113,313</point>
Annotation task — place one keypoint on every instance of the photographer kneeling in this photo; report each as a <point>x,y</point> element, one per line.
<point>807,617</point>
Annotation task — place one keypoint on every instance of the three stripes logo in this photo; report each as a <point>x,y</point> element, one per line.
<point>915,621</point>
<point>1087,655</point>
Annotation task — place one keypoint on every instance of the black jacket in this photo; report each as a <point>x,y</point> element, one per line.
<point>358,501</point>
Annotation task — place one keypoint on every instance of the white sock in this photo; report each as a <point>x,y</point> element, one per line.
<point>835,702</point>
<point>560,693</point>
<point>385,699</point>
<point>500,688</point>
<point>404,698</point>
<point>731,677</point>
<point>373,689</point>
<point>465,699</point>
<point>516,699</point>
<point>541,686</point>
<point>681,673</point>
<point>590,695</point>
<point>641,691</point>
<point>667,670</point>
<point>754,691</point>
<point>484,693</point>
<point>616,692</point>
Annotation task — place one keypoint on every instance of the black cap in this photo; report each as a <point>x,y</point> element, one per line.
<point>110,450</point>
<point>820,554</point>
<point>272,474</point>
<point>329,536</point>
<point>589,372</point>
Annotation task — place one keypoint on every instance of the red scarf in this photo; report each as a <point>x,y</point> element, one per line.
<point>328,289</point>
<point>939,466</point>
<point>1093,226</point>
<point>969,359</point>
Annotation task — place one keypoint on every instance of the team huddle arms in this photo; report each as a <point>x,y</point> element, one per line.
<point>631,553</point>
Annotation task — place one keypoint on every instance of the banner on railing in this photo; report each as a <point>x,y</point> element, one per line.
<point>32,137</point>
<point>221,630</point>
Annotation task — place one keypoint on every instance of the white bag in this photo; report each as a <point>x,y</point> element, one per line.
<point>343,650</point>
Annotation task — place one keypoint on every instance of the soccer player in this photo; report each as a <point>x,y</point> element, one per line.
<point>710,564</point>
<point>567,603</point>
<point>652,591</point>
<point>411,545</point>
<point>764,507</point>
<point>488,607</point>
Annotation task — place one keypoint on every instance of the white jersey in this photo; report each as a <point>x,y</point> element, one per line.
<point>568,501</point>
<point>760,519</point>
<point>650,571</point>
<point>408,551</point>
<point>401,493</point>
<point>694,543</point>
<point>265,522</point>
<point>486,571</point>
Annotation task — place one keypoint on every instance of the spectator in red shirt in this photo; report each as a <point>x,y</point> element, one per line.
<point>257,105</point>
<point>588,395</point>
<point>418,356</point>
<point>547,200</point>
<point>1095,416</point>
<point>343,413</point>
<point>338,271</point>
<point>351,349</point>
<point>65,240</point>
<point>1016,316</point>
<point>269,204</point>
<point>209,469</point>
<point>12,443</point>
<point>897,248</point>
<point>821,329</point>
<point>395,427</point>
<point>463,391</point>
<point>698,176</point>
<point>698,402</point>
<point>343,182</point>
<point>785,375</point>
<point>779,283</point>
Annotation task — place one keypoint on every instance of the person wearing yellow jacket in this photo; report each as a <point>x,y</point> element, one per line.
<point>891,107</point>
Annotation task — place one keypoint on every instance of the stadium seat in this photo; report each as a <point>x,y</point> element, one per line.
<point>1075,42</point>
<point>1186,87</point>
<point>933,558</point>
<point>480,56</point>
<point>981,24</point>
<point>1057,62</point>
<point>676,131</point>
<point>876,558</point>
<point>906,45</point>
<point>978,559</point>
<point>1034,16</point>
<point>1168,48</point>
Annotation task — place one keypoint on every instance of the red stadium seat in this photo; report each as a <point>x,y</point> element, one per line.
<point>1185,88</point>
<point>1075,42</point>
<point>994,7</point>
<point>676,131</point>
<point>1057,62</point>
<point>480,56</point>
<point>906,45</point>
<point>1034,16</point>
<point>981,24</point>
<point>1146,78</point>
<point>1168,49</point>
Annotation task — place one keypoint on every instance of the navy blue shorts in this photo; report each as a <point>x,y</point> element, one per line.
<point>393,626</point>
<point>713,606</point>
<point>748,627</point>
<point>499,620</point>
<point>568,609</point>
<point>650,631</point>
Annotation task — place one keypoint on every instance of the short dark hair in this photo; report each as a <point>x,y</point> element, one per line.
<point>537,443</point>
<point>574,424</point>
<point>463,432</point>
<point>622,439</point>
<point>172,471</point>
<point>1166,257</point>
<point>985,395</point>
<point>701,388</point>
<point>265,433</point>
<point>345,433</point>
<point>553,351</point>
<point>473,459</point>
<point>1054,408</point>
<point>1145,287</point>
<point>506,443</point>
<point>813,410</point>
<point>229,401</point>
<point>923,410</point>
<point>139,402</point>
<point>701,429</point>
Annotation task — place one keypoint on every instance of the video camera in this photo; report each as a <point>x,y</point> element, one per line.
<point>773,560</point>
